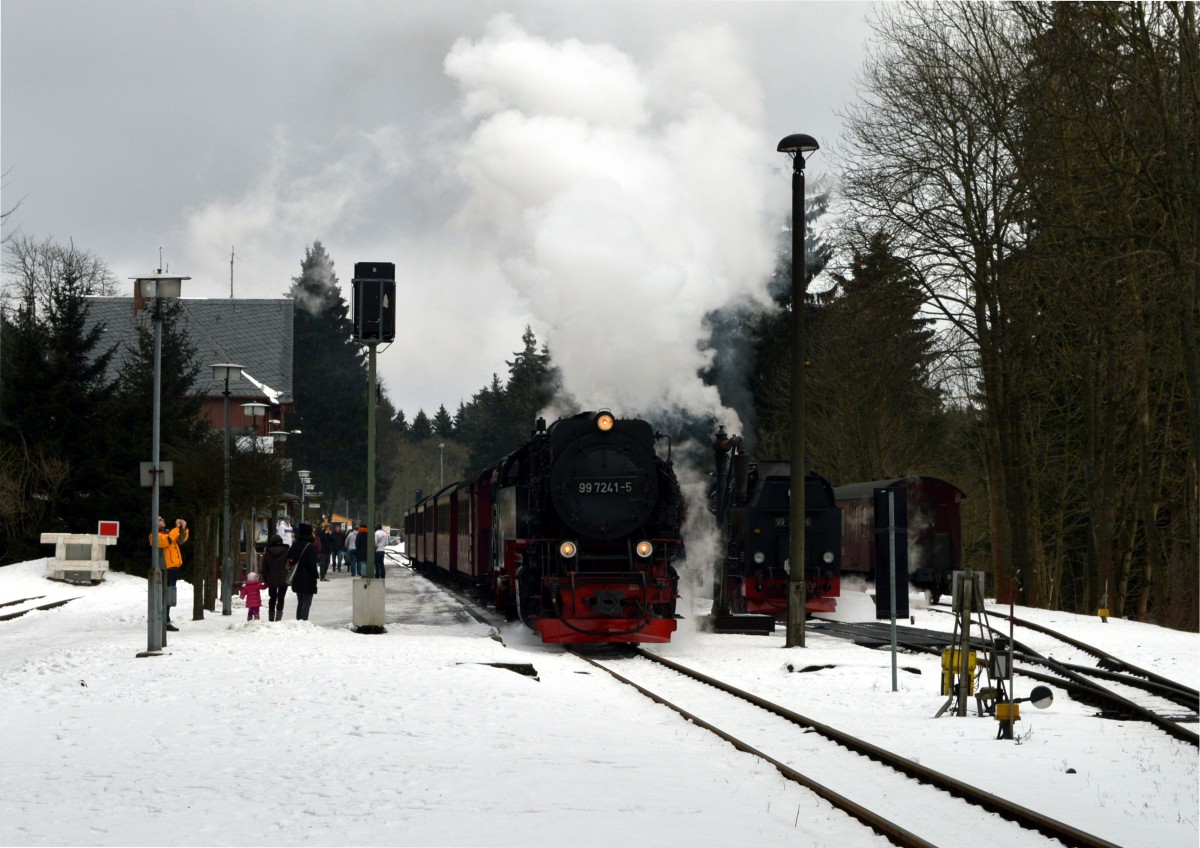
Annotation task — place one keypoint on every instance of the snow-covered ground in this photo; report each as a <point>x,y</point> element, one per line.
<point>306,733</point>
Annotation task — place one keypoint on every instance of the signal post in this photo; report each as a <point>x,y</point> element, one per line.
<point>374,323</point>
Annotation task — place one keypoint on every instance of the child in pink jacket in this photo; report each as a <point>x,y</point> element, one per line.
<point>252,592</point>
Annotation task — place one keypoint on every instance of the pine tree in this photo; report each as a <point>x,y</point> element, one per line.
<point>873,410</point>
<point>771,334</point>
<point>422,429</point>
<point>442,425</point>
<point>329,382</point>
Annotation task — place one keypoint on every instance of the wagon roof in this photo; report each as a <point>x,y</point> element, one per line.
<point>854,491</point>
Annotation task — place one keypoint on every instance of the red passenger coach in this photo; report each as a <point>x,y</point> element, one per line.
<point>934,530</point>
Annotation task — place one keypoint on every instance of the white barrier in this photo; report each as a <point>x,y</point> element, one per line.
<point>78,557</point>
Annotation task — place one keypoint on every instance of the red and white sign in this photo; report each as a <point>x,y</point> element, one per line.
<point>109,528</point>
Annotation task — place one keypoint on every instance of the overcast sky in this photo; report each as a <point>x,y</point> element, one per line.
<point>604,172</point>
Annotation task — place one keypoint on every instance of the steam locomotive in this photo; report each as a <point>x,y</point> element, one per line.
<point>576,533</point>
<point>752,503</point>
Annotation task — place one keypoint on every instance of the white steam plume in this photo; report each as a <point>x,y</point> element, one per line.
<point>625,202</point>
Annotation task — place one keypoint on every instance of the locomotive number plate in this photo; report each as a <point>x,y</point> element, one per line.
<point>605,486</point>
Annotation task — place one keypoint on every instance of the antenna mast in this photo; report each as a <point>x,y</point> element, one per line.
<point>231,258</point>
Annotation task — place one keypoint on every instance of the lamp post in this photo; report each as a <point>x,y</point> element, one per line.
<point>226,371</point>
<point>279,437</point>
<point>156,286</point>
<point>304,476</point>
<point>798,147</point>
<point>441,465</point>
<point>254,410</point>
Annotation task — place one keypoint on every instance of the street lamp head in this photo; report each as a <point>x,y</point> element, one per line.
<point>279,435</point>
<point>227,371</point>
<point>255,409</point>
<point>799,146</point>
<point>159,284</point>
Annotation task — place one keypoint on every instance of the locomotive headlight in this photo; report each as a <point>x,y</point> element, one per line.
<point>604,422</point>
<point>644,549</point>
<point>760,557</point>
<point>828,557</point>
<point>568,549</point>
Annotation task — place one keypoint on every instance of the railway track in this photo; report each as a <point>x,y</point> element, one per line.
<point>907,801</point>
<point>1118,689</point>
<point>51,605</point>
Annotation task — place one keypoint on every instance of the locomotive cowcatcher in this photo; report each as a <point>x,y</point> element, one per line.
<point>576,532</point>
<point>752,503</point>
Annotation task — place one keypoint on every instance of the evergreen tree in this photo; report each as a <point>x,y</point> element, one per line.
<point>330,383</point>
<point>55,390</point>
<point>872,409</point>
<point>401,426</point>
<point>442,425</point>
<point>770,334</point>
<point>185,438</point>
<point>422,429</point>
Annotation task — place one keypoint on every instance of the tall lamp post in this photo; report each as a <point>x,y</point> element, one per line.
<point>156,287</point>
<point>279,437</point>
<point>799,147</point>
<point>254,410</point>
<point>441,465</point>
<point>304,476</point>
<point>226,371</point>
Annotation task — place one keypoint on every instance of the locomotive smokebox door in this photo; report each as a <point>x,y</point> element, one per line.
<point>374,301</point>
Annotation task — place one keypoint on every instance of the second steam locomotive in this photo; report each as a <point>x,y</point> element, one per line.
<point>752,504</point>
<point>577,532</point>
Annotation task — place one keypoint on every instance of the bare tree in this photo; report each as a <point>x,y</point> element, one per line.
<point>33,269</point>
<point>932,164</point>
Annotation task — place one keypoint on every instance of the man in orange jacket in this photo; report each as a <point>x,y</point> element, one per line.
<point>168,544</point>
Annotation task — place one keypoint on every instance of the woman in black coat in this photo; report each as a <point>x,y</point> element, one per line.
<point>304,582</point>
<point>275,569</point>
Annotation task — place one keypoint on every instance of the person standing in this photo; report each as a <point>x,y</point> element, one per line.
<point>351,550</point>
<point>339,547</point>
<point>252,593</point>
<point>326,552</point>
<point>275,570</point>
<point>285,530</point>
<point>381,540</point>
<point>360,549</point>
<point>303,556</point>
<point>170,555</point>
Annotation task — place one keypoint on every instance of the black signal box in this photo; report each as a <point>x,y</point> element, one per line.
<point>891,539</point>
<point>374,301</point>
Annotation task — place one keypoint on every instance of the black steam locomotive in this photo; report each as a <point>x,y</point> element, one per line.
<point>752,503</point>
<point>576,532</point>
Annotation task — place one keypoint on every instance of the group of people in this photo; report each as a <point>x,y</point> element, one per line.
<point>300,558</point>
<point>297,558</point>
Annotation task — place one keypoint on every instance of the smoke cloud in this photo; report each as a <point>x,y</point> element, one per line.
<point>622,202</point>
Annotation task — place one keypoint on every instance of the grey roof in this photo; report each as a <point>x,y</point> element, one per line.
<point>256,334</point>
